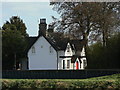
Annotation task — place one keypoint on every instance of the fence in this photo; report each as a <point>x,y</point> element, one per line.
<point>55,74</point>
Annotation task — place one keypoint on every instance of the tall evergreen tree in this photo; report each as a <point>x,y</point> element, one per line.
<point>14,43</point>
<point>18,23</point>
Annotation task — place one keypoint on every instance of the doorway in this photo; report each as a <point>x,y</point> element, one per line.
<point>63,64</point>
<point>77,65</point>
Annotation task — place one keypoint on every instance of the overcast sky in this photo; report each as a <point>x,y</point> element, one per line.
<point>29,12</point>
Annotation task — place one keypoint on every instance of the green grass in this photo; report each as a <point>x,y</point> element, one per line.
<point>110,81</point>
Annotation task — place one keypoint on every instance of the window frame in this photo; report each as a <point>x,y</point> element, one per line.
<point>68,48</point>
<point>33,49</point>
<point>68,64</point>
<point>51,49</point>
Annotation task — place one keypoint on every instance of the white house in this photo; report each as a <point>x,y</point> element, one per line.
<point>44,54</point>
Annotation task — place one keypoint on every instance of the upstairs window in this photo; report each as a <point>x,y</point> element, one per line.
<point>33,49</point>
<point>68,48</point>
<point>84,63</point>
<point>51,49</point>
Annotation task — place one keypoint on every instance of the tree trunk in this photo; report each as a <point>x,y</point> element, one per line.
<point>104,41</point>
<point>14,61</point>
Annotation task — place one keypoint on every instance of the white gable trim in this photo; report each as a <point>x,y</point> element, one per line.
<point>70,53</point>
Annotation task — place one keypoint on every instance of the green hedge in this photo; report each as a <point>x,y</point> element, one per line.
<point>9,84</point>
<point>110,81</point>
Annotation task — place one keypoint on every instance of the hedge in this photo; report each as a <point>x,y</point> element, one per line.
<point>104,82</point>
<point>9,84</point>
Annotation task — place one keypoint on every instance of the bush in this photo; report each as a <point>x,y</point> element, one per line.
<point>10,84</point>
<point>103,57</point>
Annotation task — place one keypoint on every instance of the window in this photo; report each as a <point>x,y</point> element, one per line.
<point>68,48</point>
<point>68,64</point>
<point>51,49</point>
<point>33,49</point>
<point>84,63</point>
<point>63,64</point>
<point>41,46</point>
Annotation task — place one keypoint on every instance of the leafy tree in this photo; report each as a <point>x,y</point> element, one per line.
<point>85,19</point>
<point>101,57</point>
<point>14,43</point>
<point>108,19</point>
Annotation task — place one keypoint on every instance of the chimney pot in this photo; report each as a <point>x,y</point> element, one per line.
<point>42,21</point>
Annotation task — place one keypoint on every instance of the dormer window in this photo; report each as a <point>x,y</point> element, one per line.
<point>51,49</point>
<point>33,49</point>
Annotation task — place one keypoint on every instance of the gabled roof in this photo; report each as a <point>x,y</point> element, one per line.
<point>32,40</point>
<point>77,45</point>
<point>58,44</point>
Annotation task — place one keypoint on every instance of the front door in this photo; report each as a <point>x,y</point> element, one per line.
<point>77,65</point>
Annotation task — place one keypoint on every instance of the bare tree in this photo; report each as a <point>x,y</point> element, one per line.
<point>82,18</point>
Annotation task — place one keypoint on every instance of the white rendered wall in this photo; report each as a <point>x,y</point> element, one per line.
<point>60,53</point>
<point>42,59</point>
<point>83,65</point>
<point>70,53</point>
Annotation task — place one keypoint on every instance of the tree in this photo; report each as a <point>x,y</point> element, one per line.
<point>108,19</point>
<point>86,19</point>
<point>14,43</point>
<point>101,57</point>
<point>17,23</point>
<point>80,18</point>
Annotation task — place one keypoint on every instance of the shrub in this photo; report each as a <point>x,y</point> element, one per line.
<point>99,82</point>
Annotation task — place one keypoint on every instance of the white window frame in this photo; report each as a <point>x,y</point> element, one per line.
<point>68,48</point>
<point>68,67</point>
<point>33,49</point>
<point>51,49</point>
<point>84,63</point>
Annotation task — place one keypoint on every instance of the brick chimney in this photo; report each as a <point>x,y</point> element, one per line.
<point>42,26</point>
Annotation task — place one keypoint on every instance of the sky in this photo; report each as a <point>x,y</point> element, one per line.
<point>29,12</point>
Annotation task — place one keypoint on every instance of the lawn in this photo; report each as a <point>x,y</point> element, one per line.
<point>111,81</point>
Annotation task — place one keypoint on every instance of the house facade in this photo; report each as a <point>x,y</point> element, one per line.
<point>44,54</point>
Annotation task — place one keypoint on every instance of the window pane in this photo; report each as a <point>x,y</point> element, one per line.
<point>68,48</point>
<point>51,49</point>
<point>33,49</point>
<point>85,63</point>
<point>68,63</point>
